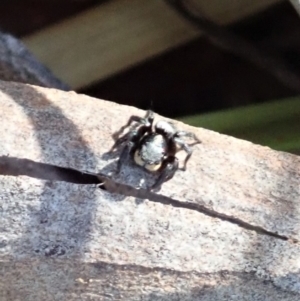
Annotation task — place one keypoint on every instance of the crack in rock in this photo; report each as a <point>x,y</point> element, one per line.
<point>127,190</point>
<point>12,166</point>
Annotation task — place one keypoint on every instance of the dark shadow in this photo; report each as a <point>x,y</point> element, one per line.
<point>135,175</point>
<point>134,282</point>
<point>53,122</point>
<point>10,166</point>
<point>190,285</point>
<point>280,215</point>
<point>130,174</point>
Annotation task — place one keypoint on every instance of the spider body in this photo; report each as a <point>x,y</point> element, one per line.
<point>151,151</point>
<point>153,147</point>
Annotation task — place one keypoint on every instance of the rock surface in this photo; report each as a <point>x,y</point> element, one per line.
<point>18,64</point>
<point>225,229</point>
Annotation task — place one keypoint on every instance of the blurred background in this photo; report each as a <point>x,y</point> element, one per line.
<point>228,65</point>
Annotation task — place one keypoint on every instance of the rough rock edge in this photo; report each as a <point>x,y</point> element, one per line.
<point>155,287</point>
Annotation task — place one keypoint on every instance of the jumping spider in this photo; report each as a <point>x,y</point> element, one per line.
<point>153,148</point>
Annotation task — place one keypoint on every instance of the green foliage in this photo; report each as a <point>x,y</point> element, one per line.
<point>274,124</point>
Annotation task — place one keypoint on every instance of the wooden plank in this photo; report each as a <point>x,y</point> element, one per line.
<point>118,34</point>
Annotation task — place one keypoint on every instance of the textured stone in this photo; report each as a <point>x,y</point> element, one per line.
<point>64,241</point>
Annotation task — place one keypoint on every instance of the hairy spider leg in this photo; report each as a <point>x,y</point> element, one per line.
<point>170,166</point>
<point>120,141</point>
<point>124,155</point>
<point>146,121</point>
<point>184,145</point>
<point>179,134</point>
<point>131,120</point>
<point>130,139</point>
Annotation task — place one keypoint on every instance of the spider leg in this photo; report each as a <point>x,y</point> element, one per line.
<point>187,149</point>
<point>121,140</point>
<point>145,121</point>
<point>168,170</point>
<point>180,134</point>
<point>184,145</point>
<point>124,155</point>
<point>145,126</point>
<point>131,120</point>
<point>130,138</point>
